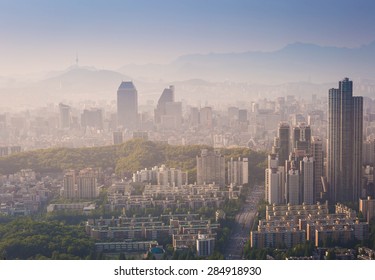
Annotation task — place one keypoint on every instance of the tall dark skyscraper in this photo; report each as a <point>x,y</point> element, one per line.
<point>127,106</point>
<point>345,137</point>
<point>284,142</point>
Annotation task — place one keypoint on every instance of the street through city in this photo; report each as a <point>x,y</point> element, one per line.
<point>243,224</point>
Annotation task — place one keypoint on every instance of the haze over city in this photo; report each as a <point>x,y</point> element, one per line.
<point>218,129</point>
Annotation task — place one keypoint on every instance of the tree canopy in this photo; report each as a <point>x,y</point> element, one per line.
<point>25,238</point>
<point>125,158</point>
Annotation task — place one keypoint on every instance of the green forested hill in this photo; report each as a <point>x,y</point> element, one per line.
<point>25,238</point>
<point>124,159</point>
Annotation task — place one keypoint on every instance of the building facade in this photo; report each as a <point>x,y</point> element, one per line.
<point>284,142</point>
<point>345,140</point>
<point>127,106</point>
<point>210,168</point>
<point>238,171</point>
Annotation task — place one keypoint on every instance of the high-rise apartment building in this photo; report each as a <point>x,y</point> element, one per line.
<point>307,173</point>
<point>317,154</point>
<point>345,139</point>
<point>87,184</point>
<point>69,184</point>
<point>284,142</point>
<point>369,152</point>
<point>163,176</point>
<point>293,187</point>
<point>210,168</point>
<point>274,181</point>
<point>301,138</point>
<point>238,171</point>
<point>82,185</point>
<point>127,106</point>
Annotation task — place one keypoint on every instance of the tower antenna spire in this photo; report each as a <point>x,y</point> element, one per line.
<point>77,59</point>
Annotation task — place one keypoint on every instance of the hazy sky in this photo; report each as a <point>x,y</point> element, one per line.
<point>43,35</point>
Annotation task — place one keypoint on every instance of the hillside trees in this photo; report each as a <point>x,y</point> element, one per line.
<point>126,158</point>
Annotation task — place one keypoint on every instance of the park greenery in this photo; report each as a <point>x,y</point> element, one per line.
<point>26,238</point>
<point>126,158</point>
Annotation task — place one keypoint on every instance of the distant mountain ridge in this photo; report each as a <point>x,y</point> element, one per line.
<point>299,68</point>
<point>294,63</point>
<point>76,78</point>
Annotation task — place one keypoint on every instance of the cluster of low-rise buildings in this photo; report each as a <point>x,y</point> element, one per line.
<point>285,226</point>
<point>185,230</point>
<point>191,197</point>
<point>22,194</point>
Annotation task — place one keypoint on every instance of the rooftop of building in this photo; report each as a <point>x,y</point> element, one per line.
<point>126,85</point>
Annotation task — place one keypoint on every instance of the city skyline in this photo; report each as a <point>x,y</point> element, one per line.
<point>187,130</point>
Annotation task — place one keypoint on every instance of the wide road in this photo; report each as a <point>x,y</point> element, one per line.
<point>243,223</point>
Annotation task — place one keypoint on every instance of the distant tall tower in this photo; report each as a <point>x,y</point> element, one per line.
<point>65,117</point>
<point>345,137</point>
<point>127,106</point>
<point>166,96</point>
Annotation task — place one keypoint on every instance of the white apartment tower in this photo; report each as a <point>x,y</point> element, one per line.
<point>210,168</point>
<point>238,171</point>
<point>293,187</point>
<point>307,172</point>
